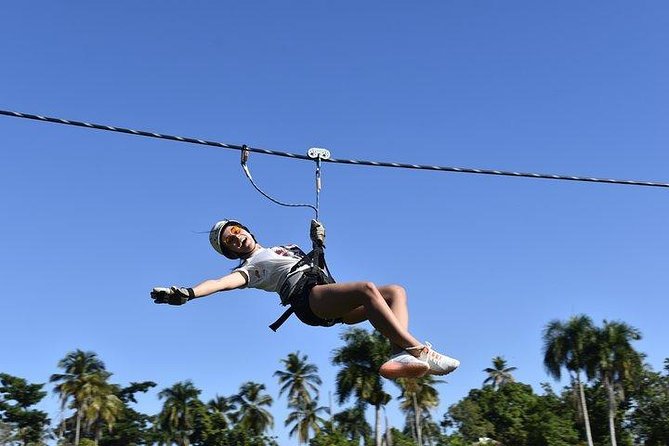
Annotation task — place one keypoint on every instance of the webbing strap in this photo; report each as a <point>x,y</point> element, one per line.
<point>279,322</point>
<point>317,259</point>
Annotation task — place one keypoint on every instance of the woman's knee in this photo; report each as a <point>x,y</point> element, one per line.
<point>394,292</point>
<point>368,291</point>
<point>397,290</point>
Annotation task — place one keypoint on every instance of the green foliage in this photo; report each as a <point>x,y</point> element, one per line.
<point>598,403</point>
<point>252,413</point>
<point>468,418</point>
<point>16,398</point>
<point>551,423</point>
<point>352,424</point>
<point>649,422</point>
<point>131,427</point>
<point>605,354</point>
<point>329,436</point>
<point>418,397</point>
<point>176,419</point>
<point>507,412</point>
<point>499,374</point>
<point>84,385</point>
<point>237,436</point>
<point>127,394</point>
<point>452,440</point>
<point>305,418</point>
<point>187,420</point>
<point>300,382</point>
<point>6,434</point>
<point>513,414</point>
<point>360,359</point>
<point>401,439</point>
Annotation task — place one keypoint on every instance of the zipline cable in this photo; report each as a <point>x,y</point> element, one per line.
<point>331,160</point>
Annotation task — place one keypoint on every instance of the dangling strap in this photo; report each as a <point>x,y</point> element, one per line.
<point>279,322</point>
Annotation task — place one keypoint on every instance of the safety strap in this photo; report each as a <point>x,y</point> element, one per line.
<point>279,322</point>
<point>316,258</point>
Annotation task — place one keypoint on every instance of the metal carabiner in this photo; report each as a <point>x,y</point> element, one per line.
<point>318,154</point>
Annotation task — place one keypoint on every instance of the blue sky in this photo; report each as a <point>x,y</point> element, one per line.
<point>91,220</point>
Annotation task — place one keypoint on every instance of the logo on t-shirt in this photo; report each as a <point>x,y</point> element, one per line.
<point>292,251</point>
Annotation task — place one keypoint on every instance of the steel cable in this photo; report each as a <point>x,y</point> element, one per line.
<point>331,160</point>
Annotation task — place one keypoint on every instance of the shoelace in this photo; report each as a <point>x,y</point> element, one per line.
<point>431,354</point>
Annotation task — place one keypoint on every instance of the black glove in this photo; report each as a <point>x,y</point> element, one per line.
<point>172,295</point>
<point>317,233</point>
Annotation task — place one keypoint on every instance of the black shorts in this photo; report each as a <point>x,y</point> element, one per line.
<point>299,302</point>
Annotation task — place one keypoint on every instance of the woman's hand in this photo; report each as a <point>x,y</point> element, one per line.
<point>172,295</point>
<point>317,233</point>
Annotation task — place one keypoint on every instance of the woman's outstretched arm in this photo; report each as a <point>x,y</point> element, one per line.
<point>225,283</point>
<point>180,295</point>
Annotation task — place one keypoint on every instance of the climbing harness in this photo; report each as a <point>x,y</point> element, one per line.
<point>299,283</point>
<point>311,269</point>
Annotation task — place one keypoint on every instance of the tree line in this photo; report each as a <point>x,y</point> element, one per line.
<point>613,398</point>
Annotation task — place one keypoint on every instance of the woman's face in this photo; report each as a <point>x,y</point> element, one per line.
<point>237,240</point>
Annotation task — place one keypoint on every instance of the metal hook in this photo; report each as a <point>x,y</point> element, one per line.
<point>245,154</point>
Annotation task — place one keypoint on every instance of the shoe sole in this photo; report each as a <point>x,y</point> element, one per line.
<point>395,370</point>
<point>440,373</point>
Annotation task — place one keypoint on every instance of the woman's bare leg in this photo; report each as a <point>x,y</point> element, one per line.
<point>396,298</point>
<point>385,307</point>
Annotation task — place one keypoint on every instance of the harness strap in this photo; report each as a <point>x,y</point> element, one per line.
<point>279,322</point>
<point>316,259</point>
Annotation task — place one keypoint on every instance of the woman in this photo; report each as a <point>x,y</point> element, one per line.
<point>315,301</point>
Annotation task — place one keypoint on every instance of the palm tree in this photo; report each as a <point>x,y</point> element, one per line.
<point>176,417</point>
<point>352,423</point>
<point>221,410</point>
<point>98,402</point>
<point>251,414</point>
<point>571,345</point>
<point>360,359</point>
<point>77,365</point>
<point>306,418</point>
<point>431,430</point>
<point>418,397</point>
<point>299,379</point>
<point>499,374</point>
<point>617,361</point>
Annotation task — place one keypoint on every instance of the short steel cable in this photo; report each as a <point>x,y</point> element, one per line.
<point>333,160</point>
<point>318,187</point>
<point>247,171</point>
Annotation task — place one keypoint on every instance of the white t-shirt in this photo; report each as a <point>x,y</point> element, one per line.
<point>268,268</point>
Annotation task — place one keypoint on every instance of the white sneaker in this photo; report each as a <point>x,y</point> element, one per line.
<point>439,364</point>
<point>403,365</point>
